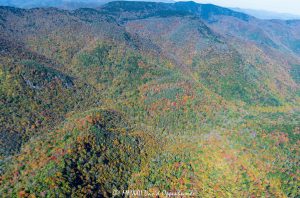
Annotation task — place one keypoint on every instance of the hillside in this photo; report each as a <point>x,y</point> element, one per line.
<point>149,96</point>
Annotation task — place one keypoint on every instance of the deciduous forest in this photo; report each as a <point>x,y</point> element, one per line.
<point>148,96</point>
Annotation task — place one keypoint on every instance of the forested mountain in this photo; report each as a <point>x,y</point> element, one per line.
<point>162,97</point>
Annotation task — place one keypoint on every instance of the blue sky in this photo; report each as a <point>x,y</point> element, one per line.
<point>283,6</point>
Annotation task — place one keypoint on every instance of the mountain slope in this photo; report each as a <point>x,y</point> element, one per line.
<point>95,152</point>
<point>139,95</point>
<point>35,95</point>
<point>140,18</point>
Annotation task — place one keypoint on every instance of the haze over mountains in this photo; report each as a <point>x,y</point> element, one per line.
<point>152,96</point>
<point>263,14</point>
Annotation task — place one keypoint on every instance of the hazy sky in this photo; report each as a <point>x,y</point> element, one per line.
<point>283,6</point>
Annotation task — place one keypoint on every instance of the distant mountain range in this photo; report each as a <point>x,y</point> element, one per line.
<point>263,14</point>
